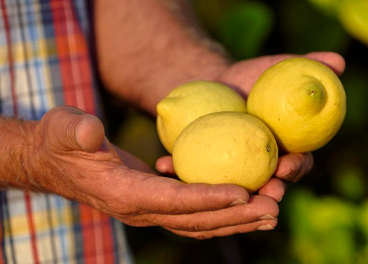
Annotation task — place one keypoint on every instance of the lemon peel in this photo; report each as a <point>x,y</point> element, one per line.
<point>189,101</point>
<point>226,147</point>
<point>302,101</point>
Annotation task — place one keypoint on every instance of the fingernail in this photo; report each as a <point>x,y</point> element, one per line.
<point>266,217</point>
<point>280,200</point>
<point>265,227</point>
<point>286,174</point>
<point>238,202</point>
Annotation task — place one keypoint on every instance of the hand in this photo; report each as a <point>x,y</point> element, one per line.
<point>274,189</point>
<point>241,76</point>
<point>72,157</point>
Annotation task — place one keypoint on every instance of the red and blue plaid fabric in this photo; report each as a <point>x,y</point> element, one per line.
<point>45,61</point>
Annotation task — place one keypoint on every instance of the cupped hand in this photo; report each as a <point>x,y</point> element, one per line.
<point>73,158</point>
<point>274,189</point>
<point>241,76</point>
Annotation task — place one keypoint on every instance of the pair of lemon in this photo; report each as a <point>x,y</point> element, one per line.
<point>214,136</point>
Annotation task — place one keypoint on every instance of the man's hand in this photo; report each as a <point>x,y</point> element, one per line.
<point>241,76</point>
<point>179,51</point>
<point>72,157</point>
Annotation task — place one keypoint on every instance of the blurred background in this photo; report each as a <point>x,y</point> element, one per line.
<point>324,217</point>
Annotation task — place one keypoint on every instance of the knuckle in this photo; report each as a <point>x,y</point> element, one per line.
<point>303,163</point>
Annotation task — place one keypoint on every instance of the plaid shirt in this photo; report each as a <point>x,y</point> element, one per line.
<point>45,62</point>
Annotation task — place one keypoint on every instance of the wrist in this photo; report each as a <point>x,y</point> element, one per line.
<point>15,153</point>
<point>142,58</point>
<point>145,84</point>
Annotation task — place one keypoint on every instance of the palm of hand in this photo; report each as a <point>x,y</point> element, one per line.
<point>75,160</point>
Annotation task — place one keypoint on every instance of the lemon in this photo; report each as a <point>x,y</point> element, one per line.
<point>302,101</point>
<point>226,147</point>
<point>190,101</point>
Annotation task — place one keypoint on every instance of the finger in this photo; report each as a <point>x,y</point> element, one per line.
<point>89,133</point>
<point>165,165</point>
<point>190,198</point>
<point>70,128</point>
<point>132,161</point>
<point>274,188</point>
<point>260,207</point>
<point>293,166</point>
<point>166,196</point>
<point>333,60</point>
<point>262,225</point>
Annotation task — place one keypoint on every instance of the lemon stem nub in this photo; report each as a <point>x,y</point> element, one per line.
<point>313,92</point>
<point>309,99</point>
<point>268,148</point>
<point>316,91</point>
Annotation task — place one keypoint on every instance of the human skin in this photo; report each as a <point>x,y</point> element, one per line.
<point>145,49</point>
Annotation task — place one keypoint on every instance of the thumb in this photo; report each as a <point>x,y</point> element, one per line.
<point>70,128</point>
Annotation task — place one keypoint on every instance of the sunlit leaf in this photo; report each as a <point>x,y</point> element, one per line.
<point>329,7</point>
<point>363,220</point>
<point>353,15</point>
<point>323,226</point>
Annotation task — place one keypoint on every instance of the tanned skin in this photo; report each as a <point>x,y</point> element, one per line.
<point>145,48</point>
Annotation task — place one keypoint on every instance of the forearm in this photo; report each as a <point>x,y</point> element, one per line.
<point>147,47</point>
<point>15,151</point>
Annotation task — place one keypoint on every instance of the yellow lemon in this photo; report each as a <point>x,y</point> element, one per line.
<point>302,101</point>
<point>190,101</point>
<point>226,147</point>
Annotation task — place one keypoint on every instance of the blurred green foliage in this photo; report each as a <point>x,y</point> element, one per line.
<point>256,17</point>
<point>324,217</point>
